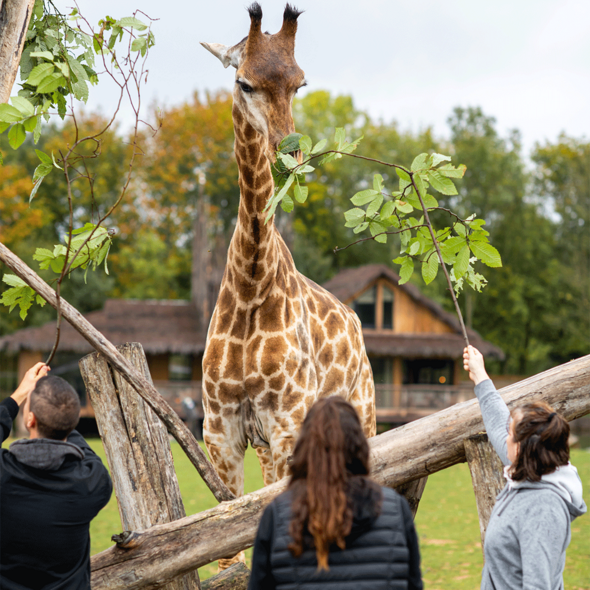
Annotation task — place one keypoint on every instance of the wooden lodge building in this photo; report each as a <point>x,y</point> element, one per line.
<point>414,345</point>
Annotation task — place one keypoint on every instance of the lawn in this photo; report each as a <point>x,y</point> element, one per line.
<point>447,523</point>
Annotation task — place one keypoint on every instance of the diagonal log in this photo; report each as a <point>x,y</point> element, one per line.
<point>148,559</point>
<point>143,387</point>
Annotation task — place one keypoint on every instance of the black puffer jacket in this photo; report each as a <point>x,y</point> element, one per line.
<point>381,550</point>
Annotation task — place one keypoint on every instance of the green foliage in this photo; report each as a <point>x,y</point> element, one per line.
<point>57,62</point>
<point>88,246</point>
<point>384,213</point>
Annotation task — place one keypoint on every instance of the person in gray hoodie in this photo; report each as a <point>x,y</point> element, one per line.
<point>530,525</point>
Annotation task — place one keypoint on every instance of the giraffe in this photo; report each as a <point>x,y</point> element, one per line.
<point>277,342</point>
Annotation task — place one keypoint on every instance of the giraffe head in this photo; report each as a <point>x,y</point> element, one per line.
<point>267,76</point>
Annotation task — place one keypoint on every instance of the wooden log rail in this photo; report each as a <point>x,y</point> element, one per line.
<point>150,558</point>
<point>143,386</point>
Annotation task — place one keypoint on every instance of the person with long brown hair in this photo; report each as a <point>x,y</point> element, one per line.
<point>530,525</point>
<point>334,527</point>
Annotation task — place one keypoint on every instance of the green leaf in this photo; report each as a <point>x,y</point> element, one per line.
<point>438,158</point>
<point>354,216</point>
<point>45,159</point>
<point>290,143</point>
<point>30,124</point>
<point>43,55</point>
<point>139,44</point>
<point>460,229</point>
<point>287,204</point>
<point>305,144</point>
<point>403,175</point>
<point>429,201</point>
<point>319,147</point>
<point>404,206</point>
<point>63,68</point>
<point>289,161</point>
<point>363,197</point>
<point>359,228</point>
<point>17,135</point>
<point>406,270</point>
<point>42,171</point>
<point>4,127</point>
<point>450,171</point>
<point>476,223</point>
<point>301,193</point>
<point>340,137</point>
<point>462,262</point>
<point>37,132</point>
<point>454,244</point>
<point>374,206</point>
<point>441,183</point>
<point>77,68</point>
<point>132,22</point>
<point>387,210</point>
<point>35,189</point>
<point>420,185</point>
<point>51,83</point>
<point>8,114</point>
<point>305,169</point>
<point>378,183</point>
<point>80,89</point>
<point>54,162</point>
<point>430,268</point>
<point>23,105</point>
<point>414,247</point>
<point>419,162</point>
<point>486,253</point>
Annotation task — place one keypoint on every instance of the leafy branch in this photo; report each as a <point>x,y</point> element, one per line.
<point>89,245</point>
<point>383,213</point>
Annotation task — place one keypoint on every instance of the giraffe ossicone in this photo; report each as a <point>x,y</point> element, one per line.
<point>277,342</point>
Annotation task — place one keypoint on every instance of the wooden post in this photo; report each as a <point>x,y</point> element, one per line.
<point>137,449</point>
<point>412,491</point>
<point>487,477</point>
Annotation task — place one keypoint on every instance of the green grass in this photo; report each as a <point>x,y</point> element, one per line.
<point>447,523</point>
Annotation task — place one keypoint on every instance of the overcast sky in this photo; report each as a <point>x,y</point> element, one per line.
<point>525,62</point>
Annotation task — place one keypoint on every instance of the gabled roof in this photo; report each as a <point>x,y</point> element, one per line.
<point>351,282</point>
<point>161,327</point>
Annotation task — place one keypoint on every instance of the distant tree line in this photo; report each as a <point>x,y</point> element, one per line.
<point>537,208</point>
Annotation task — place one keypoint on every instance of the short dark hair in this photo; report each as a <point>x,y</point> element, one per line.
<point>542,436</point>
<point>56,406</point>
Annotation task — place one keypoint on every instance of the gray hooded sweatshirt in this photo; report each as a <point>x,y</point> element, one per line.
<point>529,529</point>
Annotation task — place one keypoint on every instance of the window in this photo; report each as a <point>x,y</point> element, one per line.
<point>387,295</point>
<point>428,372</point>
<point>180,367</point>
<point>382,369</point>
<point>365,307</point>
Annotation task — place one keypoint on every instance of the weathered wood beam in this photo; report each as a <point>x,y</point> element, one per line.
<point>15,16</point>
<point>137,448</point>
<point>398,456</point>
<point>143,387</point>
<point>412,491</point>
<point>486,475</point>
<point>235,577</point>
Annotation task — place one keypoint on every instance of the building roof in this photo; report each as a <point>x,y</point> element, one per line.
<point>161,327</point>
<point>351,282</point>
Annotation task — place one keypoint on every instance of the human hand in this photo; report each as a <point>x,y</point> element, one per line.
<point>29,381</point>
<point>474,363</point>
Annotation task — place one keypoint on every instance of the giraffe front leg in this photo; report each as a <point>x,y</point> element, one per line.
<point>226,446</point>
<point>266,464</point>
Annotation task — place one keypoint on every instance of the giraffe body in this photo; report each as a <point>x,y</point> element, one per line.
<point>277,342</point>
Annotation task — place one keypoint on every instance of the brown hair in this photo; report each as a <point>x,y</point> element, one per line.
<point>56,406</point>
<point>331,451</point>
<point>542,436</point>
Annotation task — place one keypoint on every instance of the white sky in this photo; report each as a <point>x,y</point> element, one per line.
<point>525,62</point>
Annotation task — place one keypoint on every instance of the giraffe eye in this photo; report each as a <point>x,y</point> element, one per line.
<point>245,87</point>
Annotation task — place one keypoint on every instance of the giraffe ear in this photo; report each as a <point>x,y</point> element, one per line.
<point>226,55</point>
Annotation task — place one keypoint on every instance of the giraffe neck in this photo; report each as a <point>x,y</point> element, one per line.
<point>253,254</point>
